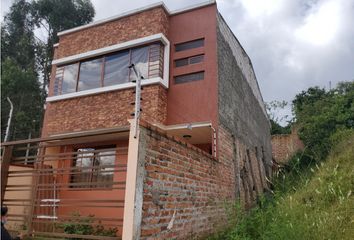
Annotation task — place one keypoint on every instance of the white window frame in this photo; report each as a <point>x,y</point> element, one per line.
<point>117,47</point>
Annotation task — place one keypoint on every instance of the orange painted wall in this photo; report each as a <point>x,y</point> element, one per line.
<point>194,101</point>
<point>94,194</point>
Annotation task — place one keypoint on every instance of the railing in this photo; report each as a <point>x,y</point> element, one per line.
<point>57,191</point>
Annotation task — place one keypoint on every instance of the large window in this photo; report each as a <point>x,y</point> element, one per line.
<point>110,69</point>
<point>93,167</point>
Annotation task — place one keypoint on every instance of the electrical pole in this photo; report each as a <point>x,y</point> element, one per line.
<point>138,99</point>
<point>9,120</point>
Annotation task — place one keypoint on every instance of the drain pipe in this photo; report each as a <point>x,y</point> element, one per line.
<point>9,120</point>
<point>214,140</point>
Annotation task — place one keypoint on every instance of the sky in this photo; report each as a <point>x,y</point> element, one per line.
<point>293,44</point>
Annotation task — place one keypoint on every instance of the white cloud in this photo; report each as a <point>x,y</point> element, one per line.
<point>321,26</point>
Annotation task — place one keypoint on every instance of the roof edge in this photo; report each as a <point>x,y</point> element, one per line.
<point>135,11</point>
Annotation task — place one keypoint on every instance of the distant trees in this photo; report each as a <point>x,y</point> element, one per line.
<point>26,59</point>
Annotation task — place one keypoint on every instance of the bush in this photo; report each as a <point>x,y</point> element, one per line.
<point>86,226</point>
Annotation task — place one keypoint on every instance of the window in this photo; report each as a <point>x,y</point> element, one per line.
<point>90,74</point>
<point>110,69</point>
<point>69,77</point>
<point>189,45</point>
<point>189,77</point>
<point>93,167</point>
<point>116,68</point>
<point>191,60</point>
<point>139,56</point>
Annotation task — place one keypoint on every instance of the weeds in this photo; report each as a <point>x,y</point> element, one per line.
<point>312,200</point>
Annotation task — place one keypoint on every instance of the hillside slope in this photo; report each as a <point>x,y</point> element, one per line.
<point>319,206</point>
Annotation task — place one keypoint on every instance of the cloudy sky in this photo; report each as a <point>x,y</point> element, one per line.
<point>293,44</point>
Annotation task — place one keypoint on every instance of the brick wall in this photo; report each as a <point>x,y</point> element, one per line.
<point>121,30</point>
<point>183,181</point>
<point>284,146</point>
<point>104,110</point>
<point>187,188</point>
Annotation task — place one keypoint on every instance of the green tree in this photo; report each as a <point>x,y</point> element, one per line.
<point>19,78</point>
<point>22,87</point>
<point>26,60</point>
<point>17,37</point>
<point>321,113</point>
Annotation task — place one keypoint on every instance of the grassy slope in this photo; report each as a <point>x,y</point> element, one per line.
<point>319,206</point>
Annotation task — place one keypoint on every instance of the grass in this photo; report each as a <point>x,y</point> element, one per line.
<point>311,201</point>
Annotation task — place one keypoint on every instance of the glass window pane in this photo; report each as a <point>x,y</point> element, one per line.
<point>69,78</point>
<point>140,59</point>
<point>116,69</point>
<point>189,77</point>
<point>189,45</point>
<point>90,74</point>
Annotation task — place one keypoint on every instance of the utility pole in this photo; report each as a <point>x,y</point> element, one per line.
<point>9,120</point>
<point>138,98</point>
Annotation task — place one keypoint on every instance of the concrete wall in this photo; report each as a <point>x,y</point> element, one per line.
<point>240,110</point>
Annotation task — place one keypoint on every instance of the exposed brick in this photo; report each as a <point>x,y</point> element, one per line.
<point>286,145</point>
<point>103,110</point>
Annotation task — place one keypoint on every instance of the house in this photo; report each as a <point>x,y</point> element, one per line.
<point>202,139</point>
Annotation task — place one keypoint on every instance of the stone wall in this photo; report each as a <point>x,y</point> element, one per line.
<point>105,110</point>
<point>284,146</point>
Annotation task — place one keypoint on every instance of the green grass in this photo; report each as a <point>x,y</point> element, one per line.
<point>311,201</point>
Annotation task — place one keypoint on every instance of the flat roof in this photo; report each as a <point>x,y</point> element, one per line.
<point>138,10</point>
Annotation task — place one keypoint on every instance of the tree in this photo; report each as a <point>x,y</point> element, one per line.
<point>19,78</point>
<point>22,87</point>
<point>17,37</point>
<point>321,113</point>
<point>26,60</point>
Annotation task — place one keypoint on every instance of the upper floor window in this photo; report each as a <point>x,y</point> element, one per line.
<point>190,77</point>
<point>189,45</point>
<point>110,69</point>
<point>190,60</point>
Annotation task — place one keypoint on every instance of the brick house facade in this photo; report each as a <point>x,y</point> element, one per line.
<point>203,138</point>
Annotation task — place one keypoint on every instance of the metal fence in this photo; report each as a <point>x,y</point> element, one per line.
<point>59,191</point>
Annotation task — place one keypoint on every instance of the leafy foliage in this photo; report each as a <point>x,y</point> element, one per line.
<point>26,60</point>
<point>86,226</point>
<point>321,113</point>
